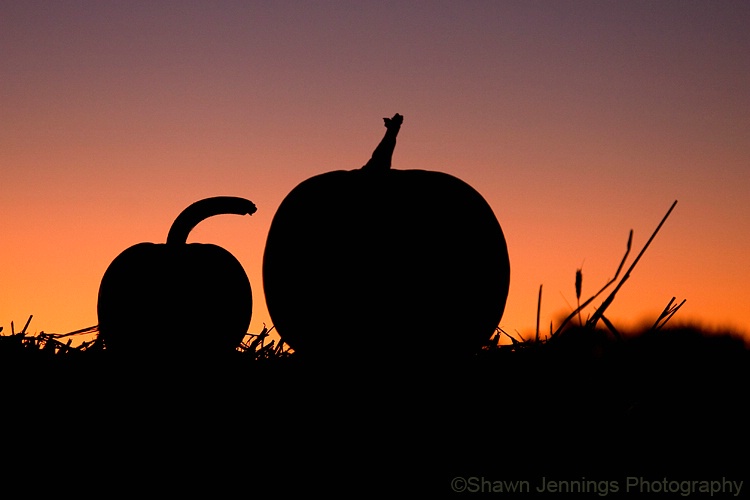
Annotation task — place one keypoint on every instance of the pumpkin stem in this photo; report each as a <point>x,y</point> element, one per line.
<point>203,209</point>
<point>381,157</point>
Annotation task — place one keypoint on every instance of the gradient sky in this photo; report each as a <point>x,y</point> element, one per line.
<point>576,120</point>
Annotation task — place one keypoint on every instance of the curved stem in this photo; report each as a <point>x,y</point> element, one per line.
<point>381,157</point>
<point>203,209</point>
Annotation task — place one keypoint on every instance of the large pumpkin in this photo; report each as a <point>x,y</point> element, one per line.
<point>384,262</point>
<point>177,297</point>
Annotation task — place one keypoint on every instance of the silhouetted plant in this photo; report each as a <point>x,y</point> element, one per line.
<point>256,347</point>
<point>591,322</point>
<point>45,344</point>
<point>42,345</point>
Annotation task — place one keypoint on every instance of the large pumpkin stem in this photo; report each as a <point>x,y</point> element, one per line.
<point>203,209</point>
<point>381,157</point>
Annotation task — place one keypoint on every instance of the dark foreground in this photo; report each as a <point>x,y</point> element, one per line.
<point>587,412</point>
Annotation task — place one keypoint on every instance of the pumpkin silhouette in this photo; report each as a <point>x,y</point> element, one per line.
<point>178,297</point>
<point>384,262</point>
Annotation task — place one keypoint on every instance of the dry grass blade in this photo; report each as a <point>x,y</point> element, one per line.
<point>538,312</point>
<point>667,314</point>
<point>608,301</point>
<point>513,339</point>
<point>258,340</point>
<point>579,285</point>
<point>82,331</point>
<point>611,327</point>
<point>494,341</point>
<point>280,349</point>
<point>593,297</point>
<point>23,332</point>
<point>630,245</point>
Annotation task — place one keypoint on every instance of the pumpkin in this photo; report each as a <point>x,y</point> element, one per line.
<point>382,262</point>
<point>179,297</point>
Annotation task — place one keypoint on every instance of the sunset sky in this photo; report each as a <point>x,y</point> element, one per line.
<point>576,120</point>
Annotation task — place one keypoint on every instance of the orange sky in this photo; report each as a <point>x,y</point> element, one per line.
<point>577,121</point>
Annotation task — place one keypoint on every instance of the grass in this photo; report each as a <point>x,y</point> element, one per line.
<point>587,400</point>
<point>582,403</point>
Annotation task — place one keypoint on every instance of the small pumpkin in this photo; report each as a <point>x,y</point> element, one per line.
<point>384,262</point>
<point>179,297</point>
